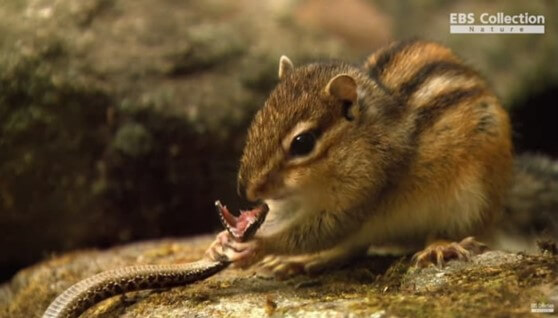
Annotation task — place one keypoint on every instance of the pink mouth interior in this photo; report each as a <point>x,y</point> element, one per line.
<point>244,225</point>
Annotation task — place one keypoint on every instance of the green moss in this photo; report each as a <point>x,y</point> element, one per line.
<point>208,45</point>
<point>495,284</point>
<point>133,139</point>
<point>51,134</point>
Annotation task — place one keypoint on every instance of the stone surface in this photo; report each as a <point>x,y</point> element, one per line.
<point>494,284</point>
<point>124,119</point>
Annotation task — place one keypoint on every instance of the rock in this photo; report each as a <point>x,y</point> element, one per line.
<point>493,284</point>
<point>124,119</point>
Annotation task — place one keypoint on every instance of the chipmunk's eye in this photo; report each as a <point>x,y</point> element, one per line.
<point>303,144</point>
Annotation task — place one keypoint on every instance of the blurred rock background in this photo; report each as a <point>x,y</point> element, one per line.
<point>123,120</point>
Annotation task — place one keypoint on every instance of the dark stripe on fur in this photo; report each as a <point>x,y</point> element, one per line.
<point>384,60</point>
<point>428,115</point>
<point>431,70</point>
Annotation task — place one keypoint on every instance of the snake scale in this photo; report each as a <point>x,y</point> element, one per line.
<point>87,292</point>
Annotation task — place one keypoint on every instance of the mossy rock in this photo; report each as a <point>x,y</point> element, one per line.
<point>493,284</point>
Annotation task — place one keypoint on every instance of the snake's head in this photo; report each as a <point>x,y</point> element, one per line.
<point>242,227</point>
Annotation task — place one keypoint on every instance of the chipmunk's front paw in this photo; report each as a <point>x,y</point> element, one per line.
<point>440,252</point>
<point>283,266</point>
<point>241,254</point>
<point>216,251</point>
<point>244,254</point>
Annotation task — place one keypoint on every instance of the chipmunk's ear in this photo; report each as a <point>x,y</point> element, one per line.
<point>285,67</point>
<point>344,88</point>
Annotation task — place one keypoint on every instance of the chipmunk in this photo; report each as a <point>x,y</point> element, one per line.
<point>413,148</point>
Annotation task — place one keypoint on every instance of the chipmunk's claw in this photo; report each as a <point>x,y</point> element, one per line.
<point>440,252</point>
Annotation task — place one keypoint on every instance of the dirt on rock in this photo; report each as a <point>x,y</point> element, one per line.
<point>493,284</point>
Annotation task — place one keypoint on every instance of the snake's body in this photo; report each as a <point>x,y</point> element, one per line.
<point>84,294</point>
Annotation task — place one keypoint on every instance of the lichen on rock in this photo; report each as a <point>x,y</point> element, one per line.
<point>493,284</point>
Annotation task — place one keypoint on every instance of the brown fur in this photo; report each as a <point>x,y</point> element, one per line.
<point>428,153</point>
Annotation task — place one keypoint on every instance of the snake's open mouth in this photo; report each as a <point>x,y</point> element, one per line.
<point>244,226</point>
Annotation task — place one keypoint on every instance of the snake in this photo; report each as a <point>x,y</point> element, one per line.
<point>84,294</point>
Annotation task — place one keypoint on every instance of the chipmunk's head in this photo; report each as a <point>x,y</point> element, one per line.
<point>307,143</point>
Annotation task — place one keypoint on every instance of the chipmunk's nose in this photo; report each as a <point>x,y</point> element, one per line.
<point>249,190</point>
<point>258,187</point>
<point>254,192</point>
<point>264,187</point>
